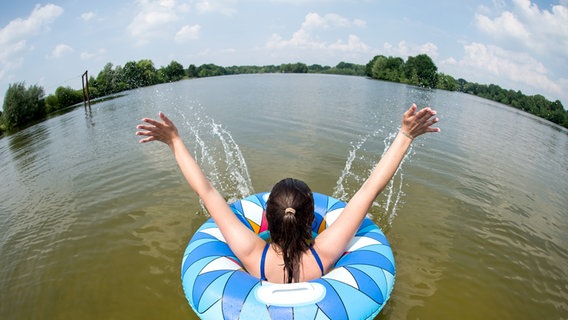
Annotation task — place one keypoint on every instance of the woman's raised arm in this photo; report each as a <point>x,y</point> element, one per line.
<point>333,241</point>
<point>242,241</point>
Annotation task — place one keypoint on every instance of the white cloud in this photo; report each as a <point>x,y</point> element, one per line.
<point>60,50</point>
<point>506,25</point>
<point>542,31</point>
<point>15,35</point>
<point>353,44</point>
<point>531,46</point>
<point>224,7</point>
<point>38,21</point>
<point>93,55</point>
<point>308,36</point>
<point>188,33</point>
<point>405,49</point>
<point>359,23</point>
<point>509,66</point>
<point>9,58</point>
<point>87,16</point>
<point>328,21</point>
<point>154,20</point>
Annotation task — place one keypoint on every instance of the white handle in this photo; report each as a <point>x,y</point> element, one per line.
<point>290,294</point>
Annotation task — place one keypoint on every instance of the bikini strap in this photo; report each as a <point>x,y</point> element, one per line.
<point>262,259</point>
<point>318,260</point>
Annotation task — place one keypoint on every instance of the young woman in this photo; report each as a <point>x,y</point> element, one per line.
<point>292,256</point>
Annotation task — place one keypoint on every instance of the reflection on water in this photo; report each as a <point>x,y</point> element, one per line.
<point>93,224</point>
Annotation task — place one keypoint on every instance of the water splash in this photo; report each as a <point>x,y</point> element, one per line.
<point>359,165</point>
<point>218,154</point>
<point>221,158</point>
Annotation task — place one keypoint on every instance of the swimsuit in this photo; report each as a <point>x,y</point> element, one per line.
<point>262,275</point>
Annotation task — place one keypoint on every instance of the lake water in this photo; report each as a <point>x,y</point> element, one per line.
<point>93,224</point>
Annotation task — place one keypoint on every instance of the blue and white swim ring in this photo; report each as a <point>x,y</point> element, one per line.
<point>217,286</point>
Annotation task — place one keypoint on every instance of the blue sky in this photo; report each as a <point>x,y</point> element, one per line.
<point>518,44</point>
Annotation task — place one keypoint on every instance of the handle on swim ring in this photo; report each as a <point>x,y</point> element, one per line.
<point>290,294</point>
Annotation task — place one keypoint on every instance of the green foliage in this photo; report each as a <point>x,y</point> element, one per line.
<point>2,126</point>
<point>107,80</point>
<point>537,104</point>
<point>345,68</point>
<point>419,70</point>
<point>446,82</point>
<point>210,70</point>
<point>148,73</point>
<point>22,105</point>
<point>51,103</point>
<point>67,97</point>
<point>173,72</point>
<point>294,68</point>
<point>388,69</point>
<point>192,71</point>
<point>422,71</point>
<point>64,97</point>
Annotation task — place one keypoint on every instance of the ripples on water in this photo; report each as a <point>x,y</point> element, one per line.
<point>93,224</point>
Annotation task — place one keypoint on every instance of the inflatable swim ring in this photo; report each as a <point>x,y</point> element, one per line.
<point>217,286</point>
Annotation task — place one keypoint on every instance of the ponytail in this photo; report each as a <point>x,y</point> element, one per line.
<point>290,213</point>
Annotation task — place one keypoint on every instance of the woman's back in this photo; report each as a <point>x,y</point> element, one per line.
<point>309,268</point>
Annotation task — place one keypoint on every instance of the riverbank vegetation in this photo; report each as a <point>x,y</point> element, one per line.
<point>23,106</point>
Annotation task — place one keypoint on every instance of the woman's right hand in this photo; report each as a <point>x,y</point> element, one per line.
<point>164,131</point>
<point>417,123</point>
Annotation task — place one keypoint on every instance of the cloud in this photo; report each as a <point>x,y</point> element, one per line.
<point>530,46</point>
<point>188,33</point>
<point>224,7</point>
<point>60,50</point>
<point>154,20</point>
<point>509,66</point>
<point>38,21</point>
<point>15,35</point>
<point>541,31</point>
<point>405,49</point>
<point>93,55</point>
<point>353,44</point>
<point>87,16</point>
<point>308,36</point>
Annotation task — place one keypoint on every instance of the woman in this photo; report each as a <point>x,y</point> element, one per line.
<point>292,255</point>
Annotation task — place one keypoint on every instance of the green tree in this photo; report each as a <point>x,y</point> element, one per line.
<point>132,75</point>
<point>192,71</point>
<point>148,75</point>
<point>294,68</point>
<point>173,72</point>
<point>421,71</point>
<point>67,97</point>
<point>389,69</point>
<point>446,82</point>
<point>210,70</point>
<point>107,80</point>
<point>22,105</point>
<point>51,103</point>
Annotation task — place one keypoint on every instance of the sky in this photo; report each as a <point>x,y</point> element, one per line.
<point>516,44</point>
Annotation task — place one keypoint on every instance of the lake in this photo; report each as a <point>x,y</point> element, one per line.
<point>93,225</point>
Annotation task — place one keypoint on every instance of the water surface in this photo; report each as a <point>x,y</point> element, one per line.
<point>93,225</point>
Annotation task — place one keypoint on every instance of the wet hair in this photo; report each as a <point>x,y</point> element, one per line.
<point>290,214</point>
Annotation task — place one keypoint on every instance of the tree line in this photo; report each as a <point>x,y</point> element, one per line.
<point>421,71</point>
<point>26,105</point>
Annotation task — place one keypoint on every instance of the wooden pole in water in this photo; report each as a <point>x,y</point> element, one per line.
<point>86,93</point>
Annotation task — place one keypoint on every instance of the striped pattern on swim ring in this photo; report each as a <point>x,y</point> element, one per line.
<point>217,287</point>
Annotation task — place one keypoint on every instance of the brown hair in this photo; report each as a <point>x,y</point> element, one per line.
<point>290,214</point>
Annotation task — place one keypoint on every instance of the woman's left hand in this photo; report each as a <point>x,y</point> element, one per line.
<point>164,131</point>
